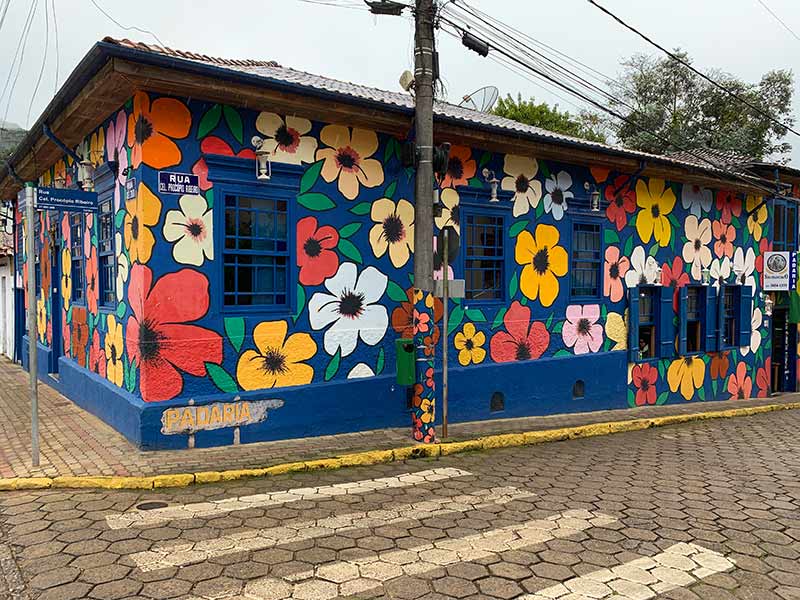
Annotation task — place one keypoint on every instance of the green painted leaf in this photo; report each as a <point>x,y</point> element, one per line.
<point>543,169</point>
<point>674,220</point>
<point>513,286</point>
<point>476,315</point>
<point>456,316</point>
<point>610,236</point>
<point>396,293</point>
<point>349,230</point>
<point>381,362</point>
<point>234,121</point>
<point>517,228</point>
<point>549,322</point>
<point>632,222</point>
<point>653,250</point>
<point>389,150</point>
<point>209,121</point>
<point>69,315</point>
<point>523,301</point>
<point>701,393</point>
<point>539,210</point>
<point>628,246</point>
<point>119,218</point>
<point>121,308</point>
<point>603,312</point>
<point>736,222</point>
<point>361,209</point>
<point>315,201</point>
<point>349,250</point>
<point>498,318</point>
<point>234,329</point>
<point>475,183</point>
<point>210,197</point>
<point>131,384</point>
<point>558,327</point>
<point>562,352</point>
<point>301,302</point>
<point>714,387</point>
<point>390,189</point>
<point>333,365</point>
<point>661,369</point>
<point>310,177</point>
<point>662,398</point>
<point>631,398</point>
<point>485,158</point>
<point>221,378</point>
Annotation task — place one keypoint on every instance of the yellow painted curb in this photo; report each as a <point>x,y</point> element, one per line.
<point>374,457</point>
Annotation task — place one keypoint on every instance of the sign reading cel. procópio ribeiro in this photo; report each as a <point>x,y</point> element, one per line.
<point>48,198</point>
<point>178,183</point>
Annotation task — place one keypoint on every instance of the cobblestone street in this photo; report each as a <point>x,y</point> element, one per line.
<point>705,510</point>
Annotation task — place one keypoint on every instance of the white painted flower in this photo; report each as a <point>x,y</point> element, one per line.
<point>696,250</point>
<point>755,335</point>
<point>191,230</point>
<point>744,265</point>
<point>696,200</point>
<point>643,268</point>
<point>351,309</point>
<point>285,139</point>
<point>122,268</point>
<point>720,271</point>
<point>360,371</point>
<point>520,173</point>
<point>555,201</point>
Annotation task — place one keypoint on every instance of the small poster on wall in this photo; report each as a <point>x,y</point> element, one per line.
<point>780,271</point>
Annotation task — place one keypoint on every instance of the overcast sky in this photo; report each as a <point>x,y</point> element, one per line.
<point>737,36</point>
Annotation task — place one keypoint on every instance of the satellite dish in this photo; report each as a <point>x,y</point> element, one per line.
<point>481,100</point>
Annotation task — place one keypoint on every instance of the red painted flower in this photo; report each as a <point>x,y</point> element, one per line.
<point>97,355</point>
<point>720,365</point>
<point>763,246</point>
<point>92,282</point>
<point>215,145</point>
<point>315,251</point>
<point>725,234</point>
<point>158,337</point>
<point>79,335</point>
<point>429,378</point>
<point>763,378</point>
<point>728,204</point>
<point>522,339</point>
<point>674,276</point>
<point>621,201</point>
<point>740,386</point>
<point>644,377</point>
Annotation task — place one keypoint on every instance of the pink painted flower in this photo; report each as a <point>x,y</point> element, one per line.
<point>421,322</point>
<point>740,385</point>
<point>116,134</point>
<point>615,269</point>
<point>724,234</point>
<point>581,330</point>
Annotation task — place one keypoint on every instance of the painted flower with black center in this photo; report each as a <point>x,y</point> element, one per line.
<point>644,377</point>
<point>278,360</point>
<point>141,213</point>
<point>460,167</point>
<point>558,194</point>
<point>450,216</point>
<point>696,251</point>
<point>469,343</point>
<point>725,235</point>
<point>152,129</point>
<point>543,262</point>
<point>316,251</point>
<point>656,201</point>
<point>285,138</point>
<point>92,281</point>
<point>522,340</point>
<point>520,173</point>
<point>348,161</point>
<point>114,348</point>
<point>740,384</point>
<point>116,152</point>
<point>393,230</point>
<point>581,330</point>
<point>351,309</point>
<point>616,266</point>
<point>190,230</point>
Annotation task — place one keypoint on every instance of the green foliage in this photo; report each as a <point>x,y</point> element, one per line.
<point>542,115</point>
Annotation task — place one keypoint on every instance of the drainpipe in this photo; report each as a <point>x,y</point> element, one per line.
<point>52,137</point>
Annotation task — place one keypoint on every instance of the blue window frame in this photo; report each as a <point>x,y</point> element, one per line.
<point>651,332</point>
<point>256,250</point>
<point>647,322</point>
<point>785,225</point>
<point>76,225</point>
<point>587,260</point>
<point>694,319</point>
<point>105,242</point>
<point>484,256</point>
<point>37,245</point>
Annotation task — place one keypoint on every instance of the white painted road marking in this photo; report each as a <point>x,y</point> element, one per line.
<point>172,555</point>
<point>216,507</point>
<point>678,566</point>
<point>346,578</point>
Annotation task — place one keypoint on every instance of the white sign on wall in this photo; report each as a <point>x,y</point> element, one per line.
<point>780,271</point>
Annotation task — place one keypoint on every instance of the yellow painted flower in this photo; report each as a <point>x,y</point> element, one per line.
<point>617,330</point>
<point>688,374</point>
<point>469,344</point>
<point>656,201</point>
<point>41,318</point>
<point>756,220</point>
<point>428,409</point>
<point>47,178</point>
<point>449,217</point>
<point>394,230</point>
<point>543,262</point>
<point>277,360</point>
<point>97,144</point>
<point>66,276</point>
<point>114,349</point>
<point>347,158</point>
<point>141,213</point>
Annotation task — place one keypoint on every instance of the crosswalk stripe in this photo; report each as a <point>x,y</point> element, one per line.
<point>216,507</point>
<point>678,566</point>
<point>172,555</point>
<point>347,578</point>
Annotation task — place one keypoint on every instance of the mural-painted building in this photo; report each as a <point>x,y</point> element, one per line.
<point>254,309</point>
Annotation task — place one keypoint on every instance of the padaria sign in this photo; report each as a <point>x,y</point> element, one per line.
<point>780,271</point>
<point>190,419</point>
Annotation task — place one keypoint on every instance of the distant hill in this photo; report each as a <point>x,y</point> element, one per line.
<point>11,135</point>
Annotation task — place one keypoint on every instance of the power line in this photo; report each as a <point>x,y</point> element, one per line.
<point>778,19</point>
<point>44,63</point>
<point>4,12</point>
<point>58,52</point>
<point>126,28</point>
<point>679,60</point>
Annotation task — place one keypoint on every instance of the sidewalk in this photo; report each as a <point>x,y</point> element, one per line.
<point>75,443</point>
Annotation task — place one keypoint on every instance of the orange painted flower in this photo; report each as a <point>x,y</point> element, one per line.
<point>460,167</point>
<point>152,129</point>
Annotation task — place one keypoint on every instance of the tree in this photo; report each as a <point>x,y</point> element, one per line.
<point>584,125</point>
<point>684,111</point>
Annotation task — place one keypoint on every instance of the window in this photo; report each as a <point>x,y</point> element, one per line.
<point>785,237</point>
<point>485,257</point>
<point>37,246</point>
<point>76,230</point>
<point>586,260</point>
<point>105,244</point>
<point>256,255</point>
<point>695,315</point>
<point>728,320</point>
<point>651,330</point>
<point>647,322</point>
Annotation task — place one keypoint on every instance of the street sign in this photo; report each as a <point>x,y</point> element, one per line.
<point>63,199</point>
<point>130,188</point>
<point>178,183</point>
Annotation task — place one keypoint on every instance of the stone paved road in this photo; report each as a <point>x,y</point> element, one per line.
<point>707,510</point>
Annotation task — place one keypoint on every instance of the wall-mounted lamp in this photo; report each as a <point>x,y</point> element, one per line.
<point>737,273</point>
<point>658,276</point>
<point>86,175</point>
<point>706,274</point>
<point>768,304</point>
<point>492,181</point>
<point>263,163</point>
<point>60,182</point>
<point>595,201</point>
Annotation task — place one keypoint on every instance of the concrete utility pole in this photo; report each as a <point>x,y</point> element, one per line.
<point>423,90</point>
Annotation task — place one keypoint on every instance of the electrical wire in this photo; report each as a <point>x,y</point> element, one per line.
<point>778,19</point>
<point>126,28</point>
<point>58,52</point>
<point>679,60</point>
<point>3,12</point>
<point>44,64</point>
